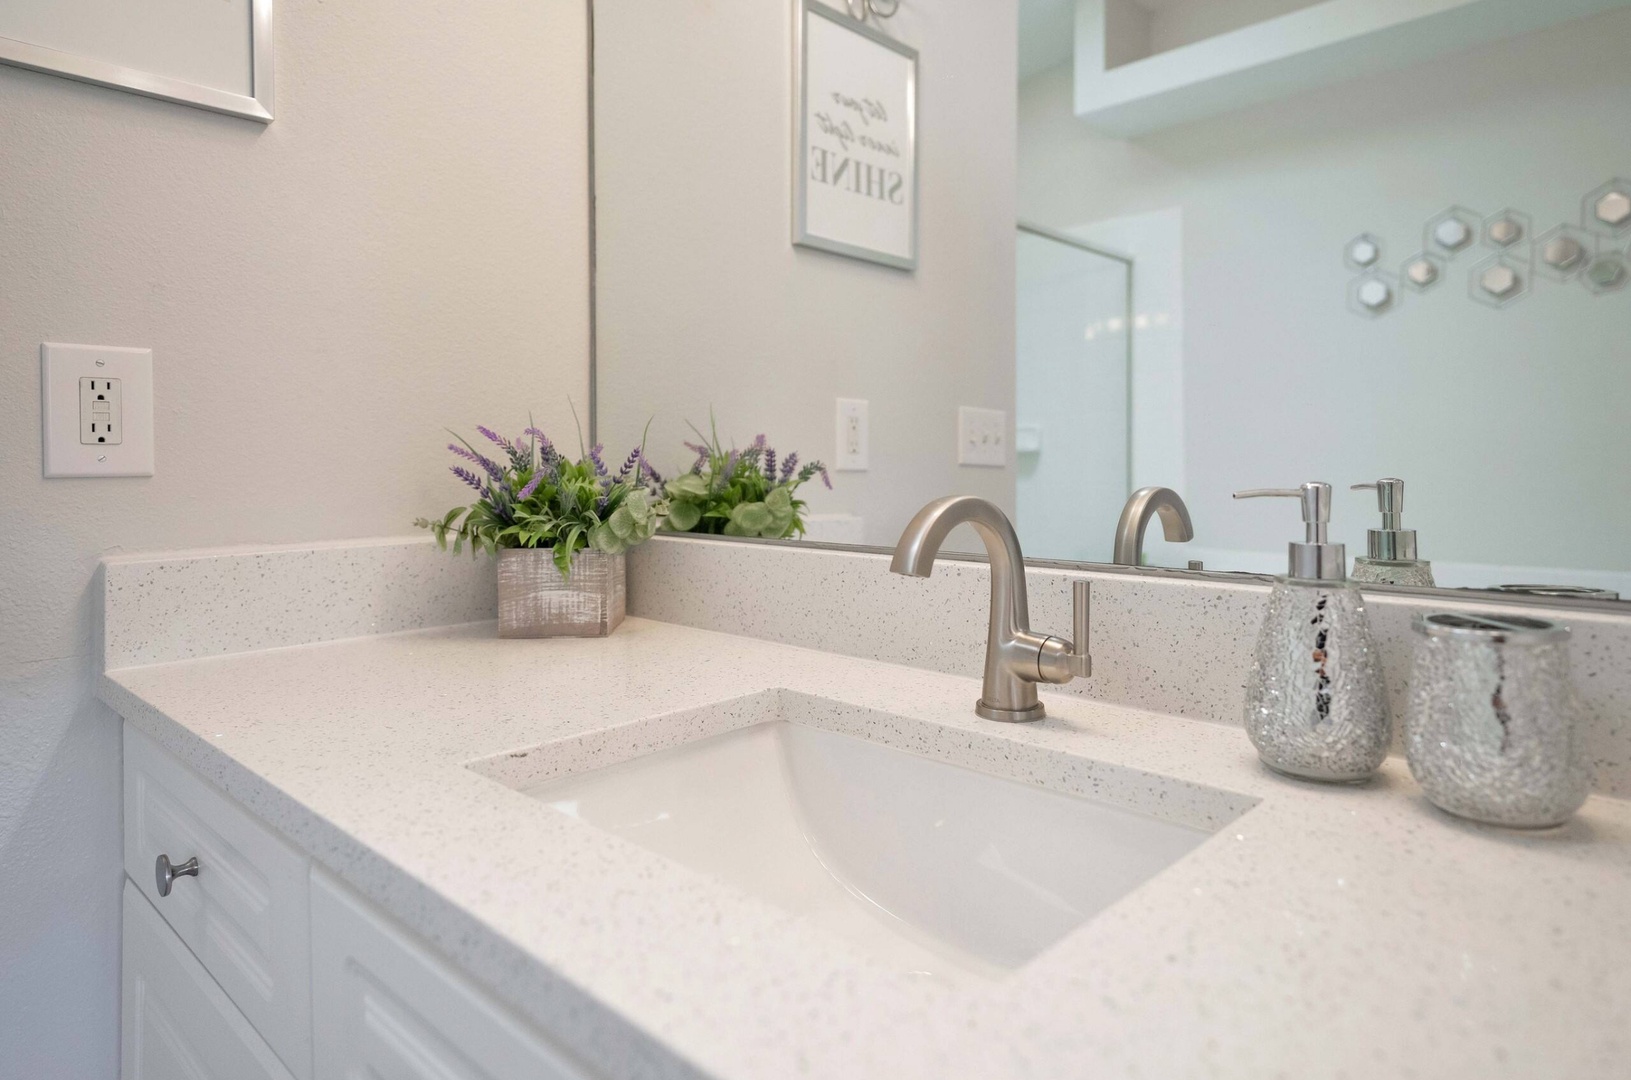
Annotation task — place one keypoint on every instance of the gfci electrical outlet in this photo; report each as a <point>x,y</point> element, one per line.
<point>96,410</point>
<point>982,436</point>
<point>101,413</point>
<point>852,436</point>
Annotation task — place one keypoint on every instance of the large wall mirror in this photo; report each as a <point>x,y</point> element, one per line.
<point>1203,245</point>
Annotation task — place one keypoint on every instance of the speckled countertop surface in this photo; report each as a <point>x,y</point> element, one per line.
<point>1325,932</point>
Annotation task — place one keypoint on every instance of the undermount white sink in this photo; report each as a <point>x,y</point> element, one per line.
<point>929,868</point>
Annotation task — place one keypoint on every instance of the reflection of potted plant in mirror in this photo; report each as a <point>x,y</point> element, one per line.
<point>740,492</point>
<point>559,529</point>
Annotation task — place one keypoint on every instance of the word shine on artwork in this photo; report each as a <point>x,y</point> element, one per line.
<point>855,162</point>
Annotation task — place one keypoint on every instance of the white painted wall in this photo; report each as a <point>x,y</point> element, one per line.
<point>703,300</point>
<point>404,248</point>
<point>1504,423</point>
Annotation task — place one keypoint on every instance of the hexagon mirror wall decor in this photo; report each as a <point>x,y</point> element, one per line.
<point>1592,253</point>
<point>1608,209</point>
<point>1498,282</point>
<point>1363,252</point>
<point>1421,271</point>
<point>1606,273</point>
<point>1372,294</point>
<point>1563,252</point>
<point>1507,229</point>
<point>1452,232</point>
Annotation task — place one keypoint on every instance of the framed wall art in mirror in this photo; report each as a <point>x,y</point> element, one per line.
<point>215,56</point>
<point>855,147</point>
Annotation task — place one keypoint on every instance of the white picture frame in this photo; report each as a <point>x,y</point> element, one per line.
<point>158,48</point>
<point>855,186</point>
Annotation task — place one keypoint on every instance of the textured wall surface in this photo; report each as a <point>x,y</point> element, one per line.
<point>403,249</point>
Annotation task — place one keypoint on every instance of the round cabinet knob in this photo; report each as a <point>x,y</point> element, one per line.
<point>165,873</point>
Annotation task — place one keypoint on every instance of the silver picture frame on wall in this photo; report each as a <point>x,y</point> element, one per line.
<point>84,22</point>
<point>855,182</point>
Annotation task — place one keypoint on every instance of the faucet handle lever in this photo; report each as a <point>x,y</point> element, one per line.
<point>1058,660</point>
<point>1080,659</point>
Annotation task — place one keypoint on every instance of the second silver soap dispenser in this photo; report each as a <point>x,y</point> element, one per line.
<point>1315,703</point>
<point>1390,552</point>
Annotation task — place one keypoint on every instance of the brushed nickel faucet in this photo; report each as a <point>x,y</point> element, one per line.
<point>1144,504</point>
<point>1016,659</point>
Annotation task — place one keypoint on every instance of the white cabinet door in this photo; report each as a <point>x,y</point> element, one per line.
<point>246,914</point>
<point>176,1023</point>
<point>384,1008</point>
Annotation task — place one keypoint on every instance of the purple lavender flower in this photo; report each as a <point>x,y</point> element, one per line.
<point>494,437</point>
<point>770,464</point>
<point>547,453</point>
<point>531,486</point>
<point>594,456</point>
<point>701,453</point>
<point>488,465</point>
<point>812,469</point>
<point>651,473</point>
<point>789,467</point>
<point>630,465</point>
<point>467,476</point>
<point>730,464</point>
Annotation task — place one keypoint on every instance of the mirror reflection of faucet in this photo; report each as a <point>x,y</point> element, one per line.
<point>1142,505</point>
<point>1016,659</point>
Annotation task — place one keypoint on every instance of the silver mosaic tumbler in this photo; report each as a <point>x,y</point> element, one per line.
<point>1492,727</point>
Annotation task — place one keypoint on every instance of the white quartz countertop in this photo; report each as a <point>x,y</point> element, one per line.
<point>1326,932</point>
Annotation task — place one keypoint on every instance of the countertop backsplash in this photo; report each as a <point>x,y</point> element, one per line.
<point>1165,644</point>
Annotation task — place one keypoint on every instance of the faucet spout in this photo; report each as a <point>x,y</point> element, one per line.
<point>1144,504</point>
<point>1015,658</point>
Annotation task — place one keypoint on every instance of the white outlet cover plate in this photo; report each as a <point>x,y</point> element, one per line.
<point>982,437</point>
<point>61,368</point>
<point>851,452</point>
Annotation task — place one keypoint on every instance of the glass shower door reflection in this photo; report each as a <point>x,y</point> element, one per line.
<point>1073,398</point>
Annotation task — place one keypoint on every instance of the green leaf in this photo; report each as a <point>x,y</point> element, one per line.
<point>637,506</point>
<point>688,486</point>
<point>750,519</point>
<point>683,516</point>
<point>621,523</point>
<point>780,504</point>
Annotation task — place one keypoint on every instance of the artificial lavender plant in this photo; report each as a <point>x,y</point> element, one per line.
<point>529,495</point>
<point>739,492</point>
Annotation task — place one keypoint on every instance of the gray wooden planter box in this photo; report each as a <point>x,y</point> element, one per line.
<point>534,601</point>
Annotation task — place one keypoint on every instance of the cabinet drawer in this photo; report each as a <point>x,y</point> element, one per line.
<point>246,915</point>
<point>387,1008</point>
<point>175,1022</point>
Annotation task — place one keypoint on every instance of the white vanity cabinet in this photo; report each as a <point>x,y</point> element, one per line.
<point>263,967</point>
<point>246,914</point>
<point>387,1008</point>
<point>177,1023</point>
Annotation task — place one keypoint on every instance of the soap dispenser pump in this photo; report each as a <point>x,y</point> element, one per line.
<point>1390,552</point>
<point>1316,706</point>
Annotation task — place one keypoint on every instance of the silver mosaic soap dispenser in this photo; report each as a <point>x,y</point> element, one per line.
<point>1315,703</point>
<point>1390,552</point>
